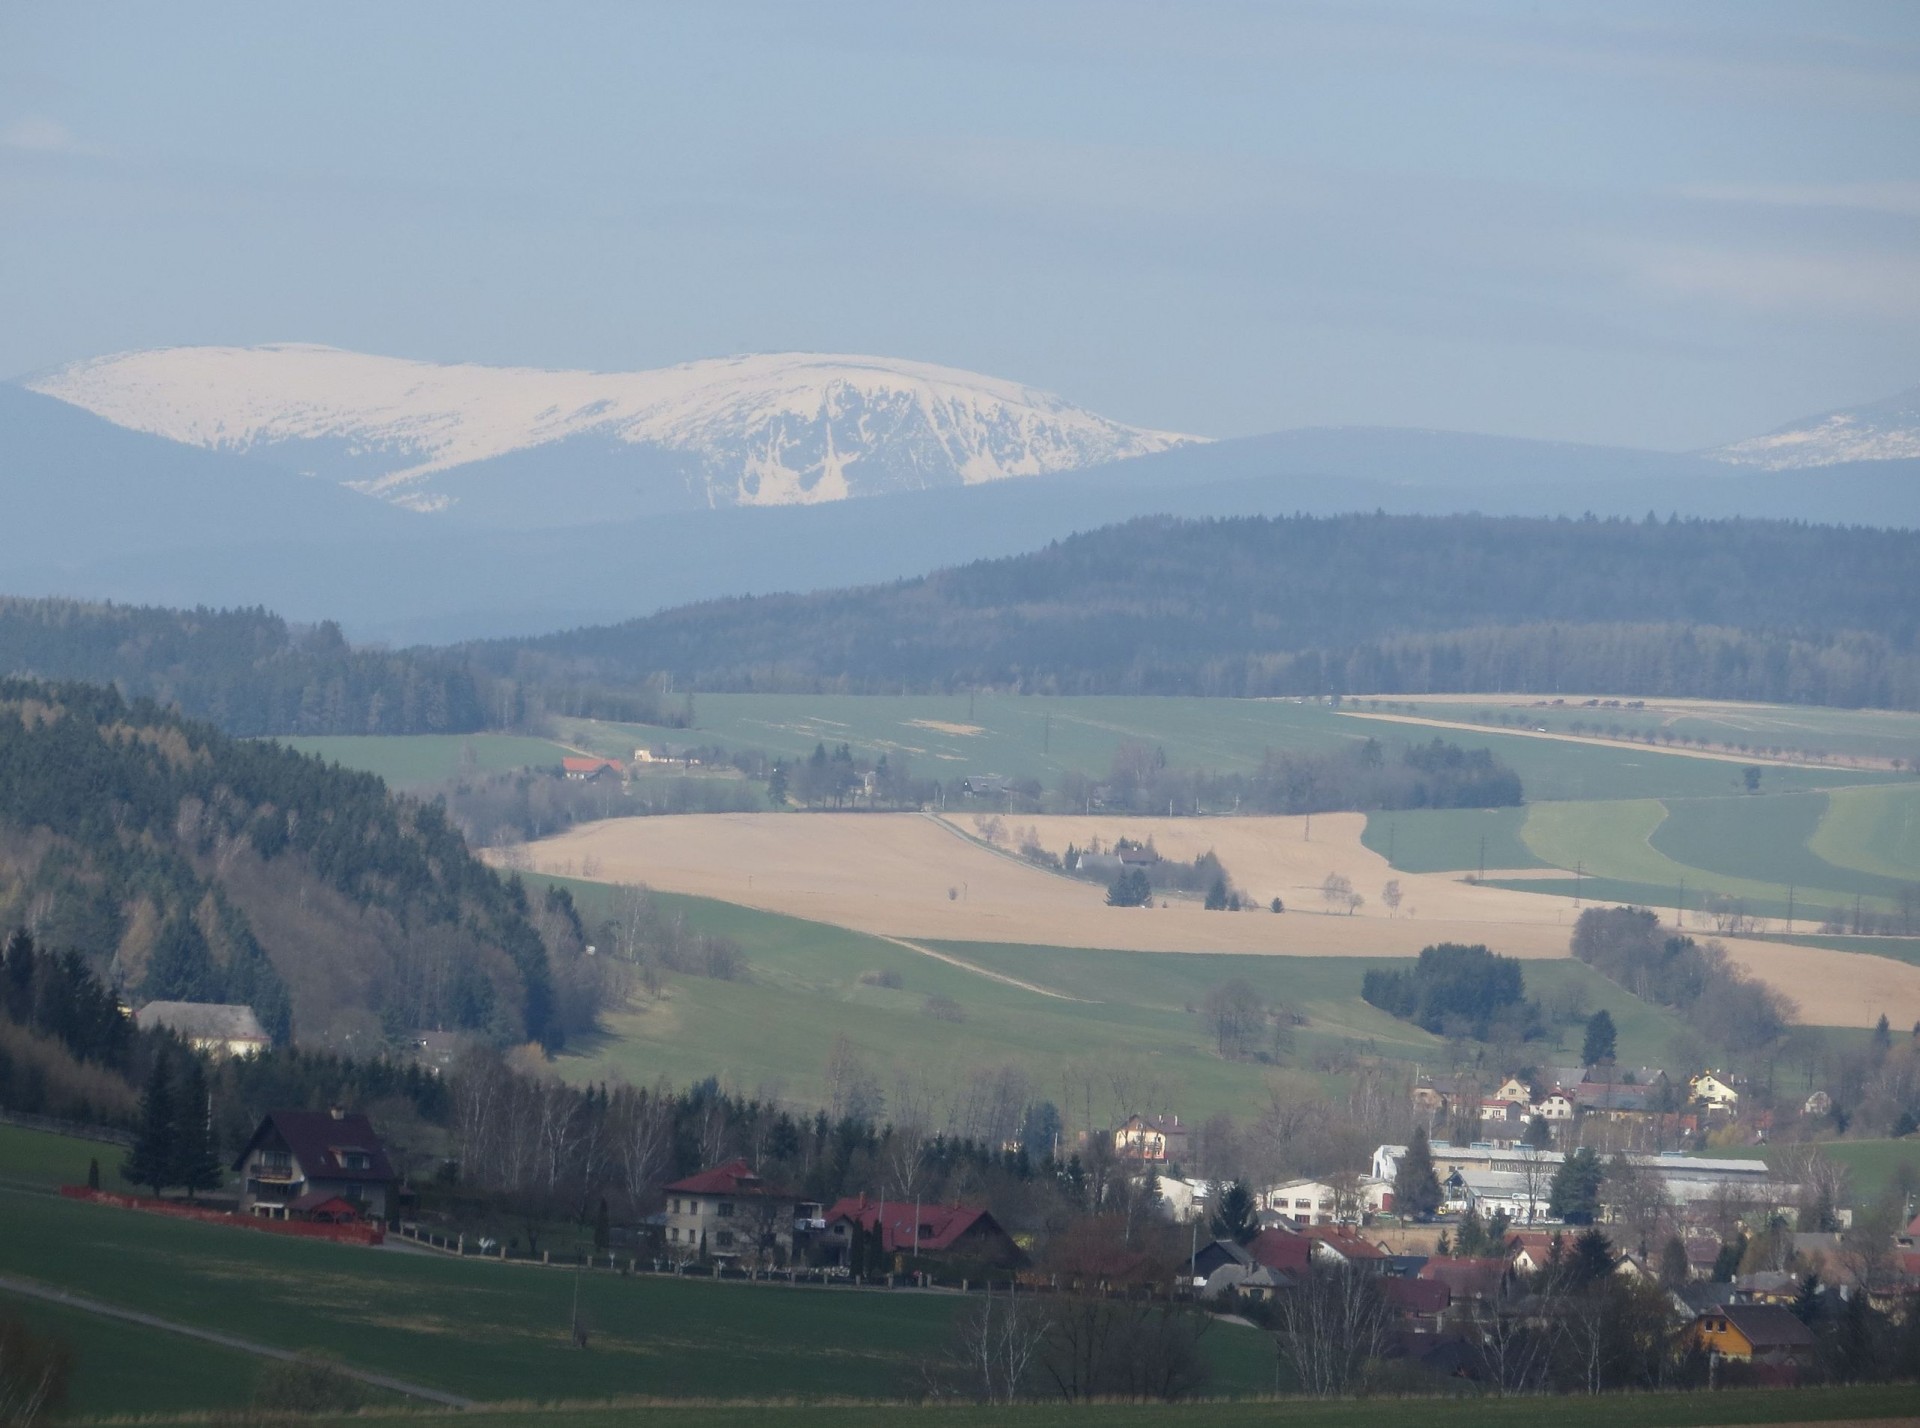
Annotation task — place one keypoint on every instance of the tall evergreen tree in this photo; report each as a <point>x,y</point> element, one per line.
<point>150,1161</point>
<point>1575,1193</point>
<point>1601,1039</point>
<point>1235,1219</point>
<point>1416,1189</point>
<point>195,1162</point>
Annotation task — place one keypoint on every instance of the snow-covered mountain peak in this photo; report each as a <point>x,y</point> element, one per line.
<point>1886,430</point>
<point>765,429</point>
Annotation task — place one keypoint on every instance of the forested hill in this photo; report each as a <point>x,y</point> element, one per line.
<point>1388,604</point>
<point>244,670</point>
<point>187,865</point>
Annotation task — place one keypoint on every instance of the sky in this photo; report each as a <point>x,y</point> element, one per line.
<point>1661,226</point>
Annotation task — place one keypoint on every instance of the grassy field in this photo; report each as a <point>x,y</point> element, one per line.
<point>1888,1403</point>
<point>1766,840</point>
<point>37,1160</point>
<point>127,1368</point>
<point>776,1029</point>
<point>1450,840</point>
<point>492,1331</point>
<point>1876,830</point>
<point>417,760</point>
<point>951,736</point>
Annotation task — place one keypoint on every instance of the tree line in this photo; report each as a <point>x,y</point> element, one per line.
<point>1721,1002</point>
<point>1388,604</point>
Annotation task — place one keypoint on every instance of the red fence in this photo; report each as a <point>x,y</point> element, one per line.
<point>339,1234</point>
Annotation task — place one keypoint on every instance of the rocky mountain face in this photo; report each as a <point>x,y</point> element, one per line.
<point>1887,430</point>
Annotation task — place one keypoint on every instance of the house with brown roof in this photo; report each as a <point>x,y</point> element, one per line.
<point>907,1229</point>
<point>1156,1140</point>
<point>1751,1333</point>
<point>310,1164</point>
<point>729,1213</point>
<point>1468,1278</point>
<point>582,770</point>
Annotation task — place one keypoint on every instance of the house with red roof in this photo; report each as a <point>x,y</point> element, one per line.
<point>908,1229</point>
<point>1283,1251</point>
<point>586,770</point>
<point>1342,1244</point>
<point>1468,1278</point>
<point>729,1213</point>
<point>310,1164</point>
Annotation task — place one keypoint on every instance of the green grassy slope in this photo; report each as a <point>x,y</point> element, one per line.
<point>414,760</point>
<point>1763,840</point>
<point>38,1160</point>
<point>495,1331</point>
<point>1450,840</point>
<point>1870,1163</point>
<point>125,1368</point>
<point>1876,830</point>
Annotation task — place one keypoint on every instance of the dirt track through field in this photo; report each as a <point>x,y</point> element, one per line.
<point>916,878</point>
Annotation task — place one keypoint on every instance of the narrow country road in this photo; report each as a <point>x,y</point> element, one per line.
<point>51,1295</point>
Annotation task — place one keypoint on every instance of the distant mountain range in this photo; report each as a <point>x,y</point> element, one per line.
<point>1886,430</point>
<point>555,499</point>
<point>777,429</point>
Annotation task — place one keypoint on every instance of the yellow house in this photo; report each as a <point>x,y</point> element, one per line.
<point>1762,1333</point>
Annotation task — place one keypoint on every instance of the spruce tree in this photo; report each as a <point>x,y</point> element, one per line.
<point>196,1164</point>
<point>1601,1039</point>
<point>150,1162</point>
<point>602,1228</point>
<point>1416,1189</point>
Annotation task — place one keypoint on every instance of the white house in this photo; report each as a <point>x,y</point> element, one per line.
<point>1709,1090</point>
<point>212,1028</point>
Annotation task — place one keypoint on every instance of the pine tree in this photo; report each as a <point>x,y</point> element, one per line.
<point>195,1163</point>
<point>150,1162</point>
<point>1416,1189</point>
<point>93,1174</point>
<point>1601,1039</point>
<point>602,1228</point>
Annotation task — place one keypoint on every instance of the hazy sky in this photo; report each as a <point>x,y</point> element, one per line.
<point>1667,225</point>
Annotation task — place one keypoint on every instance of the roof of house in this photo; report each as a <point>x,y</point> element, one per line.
<point>1767,1326</point>
<point>736,1177</point>
<point>320,1142</point>
<point>1417,1296</point>
<point>1613,1096</point>
<point>1467,1278</point>
<point>573,765</point>
<point>940,1226</point>
<point>1279,1249</point>
<point>223,1020</point>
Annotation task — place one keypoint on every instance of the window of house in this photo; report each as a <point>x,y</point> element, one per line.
<point>723,1239</point>
<point>725,1210</point>
<point>356,1160</point>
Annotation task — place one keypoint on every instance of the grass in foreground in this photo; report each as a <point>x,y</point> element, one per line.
<point>500,1332</point>
<point>1647,1410</point>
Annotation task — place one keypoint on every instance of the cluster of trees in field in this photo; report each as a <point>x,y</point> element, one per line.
<point>1388,604</point>
<point>65,1049</point>
<point>247,671</point>
<point>187,865</point>
<point>1458,990</point>
<point>844,779</point>
<point>520,805</point>
<point>1719,1000</point>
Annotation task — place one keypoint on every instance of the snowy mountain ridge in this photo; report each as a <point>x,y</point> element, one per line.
<point>762,430</point>
<point>1886,430</point>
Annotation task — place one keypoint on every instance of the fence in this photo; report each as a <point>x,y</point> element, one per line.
<point>80,1130</point>
<point>360,1234</point>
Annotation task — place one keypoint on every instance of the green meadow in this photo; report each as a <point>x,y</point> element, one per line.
<point>809,984</point>
<point>491,1331</point>
<point>417,760</point>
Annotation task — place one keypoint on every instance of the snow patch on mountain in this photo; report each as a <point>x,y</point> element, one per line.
<point>766,430</point>
<point>1887,430</point>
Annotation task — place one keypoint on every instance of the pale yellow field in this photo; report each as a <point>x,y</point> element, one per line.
<point>914,876</point>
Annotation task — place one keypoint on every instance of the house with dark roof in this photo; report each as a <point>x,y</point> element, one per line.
<point>950,1232</point>
<point>1281,1250</point>
<point>583,770</point>
<point>311,1164</point>
<point>729,1213</point>
<point>1751,1333</point>
<point>1468,1278</point>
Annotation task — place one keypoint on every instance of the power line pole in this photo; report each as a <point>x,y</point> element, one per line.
<point>1789,907</point>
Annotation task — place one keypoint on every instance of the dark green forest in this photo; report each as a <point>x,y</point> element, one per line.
<point>185,864</point>
<point>247,671</point>
<point>1734,609</point>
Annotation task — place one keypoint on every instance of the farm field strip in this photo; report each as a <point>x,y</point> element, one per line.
<point>1874,830</point>
<point>417,760</point>
<point>907,876</point>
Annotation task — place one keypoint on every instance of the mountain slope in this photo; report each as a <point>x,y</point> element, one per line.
<point>1739,609</point>
<point>1887,430</point>
<point>765,430</point>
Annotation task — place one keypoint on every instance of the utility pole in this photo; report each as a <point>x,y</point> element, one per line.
<point>1391,827</point>
<point>1483,858</point>
<point>1579,872</point>
<point>1789,907</point>
<point>1680,905</point>
<point>1307,836</point>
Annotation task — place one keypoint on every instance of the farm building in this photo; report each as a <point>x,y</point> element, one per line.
<point>298,1164</point>
<point>586,770</point>
<point>1158,1140</point>
<point>212,1028</point>
<point>1754,1333</point>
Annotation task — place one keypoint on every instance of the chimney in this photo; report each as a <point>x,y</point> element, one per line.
<point>339,1113</point>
